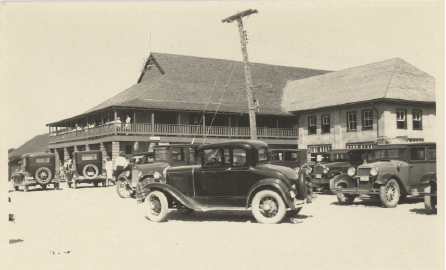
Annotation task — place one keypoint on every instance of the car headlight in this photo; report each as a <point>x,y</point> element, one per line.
<point>127,173</point>
<point>326,170</point>
<point>293,186</point>
<point>351,171</point>
<point>157,175</point>
<point>297,170</point>
<point>374,171</point>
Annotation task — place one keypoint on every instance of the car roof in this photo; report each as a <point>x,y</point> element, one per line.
<point>247,144</point>
<point>176,145</point>
<point>143,153</point>
<point>342,151</point>
<point>275,149</point>
<point>38,154</point>
<point>403,145</point>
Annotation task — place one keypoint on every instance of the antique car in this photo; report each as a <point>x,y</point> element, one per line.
<point>292,158</point>
<point>395,171</point>
<point>145,165</point>
<point>36,169</point>
<point>233,175</point>
<point>339,161</point>
<point>87,168</point>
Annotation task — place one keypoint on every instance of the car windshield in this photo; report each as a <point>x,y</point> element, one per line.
<point>387,154</point>
<point>161,154</point>
<point>339,157</point>
<point>359,157</point>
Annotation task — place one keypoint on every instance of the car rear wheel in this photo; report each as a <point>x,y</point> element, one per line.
<point>430,202</point>
<point>156,206</point>
<point>91,170</point>
<point>345,199</point>
<point>268,207</point>
<point>123,188</point>
<point>43,175</point>
<point>390,194</point>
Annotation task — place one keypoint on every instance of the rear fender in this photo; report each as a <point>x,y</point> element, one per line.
<point>428,177</point>
<point>345,178</point>
<point>170,191</point>
<point>274,184</point>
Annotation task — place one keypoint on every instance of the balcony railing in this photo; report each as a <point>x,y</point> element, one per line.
<point>173,130</point>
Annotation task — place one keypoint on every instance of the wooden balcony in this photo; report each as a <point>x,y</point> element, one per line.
<point>171,130</point>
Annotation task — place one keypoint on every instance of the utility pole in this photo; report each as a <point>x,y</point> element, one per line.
<point>252,116</point>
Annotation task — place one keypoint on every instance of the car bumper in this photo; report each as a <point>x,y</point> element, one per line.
<point>357,191</point>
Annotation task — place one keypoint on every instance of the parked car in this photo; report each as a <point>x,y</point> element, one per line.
<point>292,158</point>
<point>395,171</point>
<point>229,175</point>
<point>36,169</point>
<point>88,168</point>
<point>145,165</point>
<point>339,161</point>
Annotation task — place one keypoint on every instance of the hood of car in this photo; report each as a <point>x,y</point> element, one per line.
<point>288,172</point>
<point>384,166</point>
<point>156,166</point>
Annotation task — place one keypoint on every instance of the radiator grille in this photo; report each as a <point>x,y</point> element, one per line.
<point>363,171</point>
<point>318,169</point>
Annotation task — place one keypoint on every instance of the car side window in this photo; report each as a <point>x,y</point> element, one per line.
<point>216,157</point>
<point>178,154</point>
<point>43,160</point>
<point>192,154</point>
<point>290,156</point>
<point>239,157</point>
<point>432,153</point>
<point>276,155</point>
<point>417,154</point>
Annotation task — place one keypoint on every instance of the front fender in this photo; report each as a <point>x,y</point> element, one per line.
<point>333,174</point>
<point>177,195</point>
<point>428,177</point>
<point>345,178</point>
<point>274,183</point>
<point>383,178</point>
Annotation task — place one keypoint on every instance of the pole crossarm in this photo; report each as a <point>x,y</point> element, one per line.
<point>239,15</point>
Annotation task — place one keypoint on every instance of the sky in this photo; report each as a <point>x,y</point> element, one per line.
<point>58,60</point>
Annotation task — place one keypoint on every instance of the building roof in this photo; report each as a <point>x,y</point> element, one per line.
<point>37,144</point>
<point>179,82</point>
<point>392,79</point>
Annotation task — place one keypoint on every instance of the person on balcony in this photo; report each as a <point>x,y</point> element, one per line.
<point>127,123</point>
<point>118,123</point>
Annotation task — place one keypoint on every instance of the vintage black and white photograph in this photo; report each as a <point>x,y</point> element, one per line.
<point>223,135</point>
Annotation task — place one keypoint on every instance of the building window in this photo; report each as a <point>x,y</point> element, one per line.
<point>367,119</point>
<point>416,120</point>
<point>311,125</point>
<point>359,145</point>
<point>351,121</point>
<point>325,120</point>
<point>128,149</point>
<point>401,119</point>
<point>319,148</point>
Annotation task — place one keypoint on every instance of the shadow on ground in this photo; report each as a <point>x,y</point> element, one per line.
<point>13,241</point>
<point>376,202</point>
<point>420,211</point>
<point>227,216</point>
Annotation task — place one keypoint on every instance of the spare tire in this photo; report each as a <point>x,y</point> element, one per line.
<point>302,188</point>
<point>43,175</point>
<point>91,171</point>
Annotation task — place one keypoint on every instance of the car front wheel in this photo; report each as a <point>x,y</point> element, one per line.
<point>430,202</point>
<point>268,207</point>
<point>390,194</point>
<point>156,206</point>
<point>123,189</point>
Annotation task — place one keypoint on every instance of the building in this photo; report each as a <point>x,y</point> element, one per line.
<point>184,99</point>
<point>352,108</point>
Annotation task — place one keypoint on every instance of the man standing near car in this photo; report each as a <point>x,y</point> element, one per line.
<point>120,164</point>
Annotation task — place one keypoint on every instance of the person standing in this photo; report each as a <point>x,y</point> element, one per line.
<point>109,169</point>
<point>120,164</point>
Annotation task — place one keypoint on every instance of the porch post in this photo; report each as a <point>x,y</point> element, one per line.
<point>153,123</point>
<point>116,115</point>
<point>229,130</point>
<point>204,126</point>
<point>236,124</point>
<point>115,152</point>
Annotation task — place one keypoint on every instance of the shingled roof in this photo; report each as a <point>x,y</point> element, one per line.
<point>37,144</point>
<point>179,82</point>
<point>392,79</point>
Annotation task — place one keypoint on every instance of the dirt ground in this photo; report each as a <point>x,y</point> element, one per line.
<point>92,228</point>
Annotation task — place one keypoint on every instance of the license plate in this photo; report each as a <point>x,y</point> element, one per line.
<point>364,178</point>
<point>318,175</point>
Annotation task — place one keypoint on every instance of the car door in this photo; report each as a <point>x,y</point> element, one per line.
<point>290,159</point>
<point>417,164</point>
<point>212,181</point>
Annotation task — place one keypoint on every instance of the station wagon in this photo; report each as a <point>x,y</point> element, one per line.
<point>395,171</point>
<point>36,169</point>
<point>232,175</point>
<point>87,168</point>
